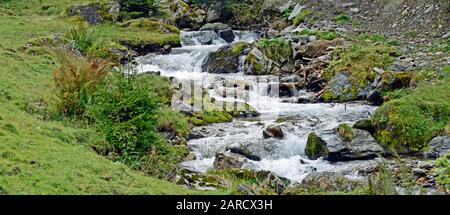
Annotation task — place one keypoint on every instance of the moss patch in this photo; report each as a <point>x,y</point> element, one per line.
<point>315,147</point>
<point>410,122</point>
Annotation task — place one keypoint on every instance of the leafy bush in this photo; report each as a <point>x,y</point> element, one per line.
<point>128,111</point>
<point>76,79</point>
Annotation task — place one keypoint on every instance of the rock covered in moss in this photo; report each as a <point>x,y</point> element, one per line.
<point>89,12</point>
<point>198,180</point>
<point>150,25</point>
<point>226,59</point>
<point>343,144</point>
<point>316,147</point>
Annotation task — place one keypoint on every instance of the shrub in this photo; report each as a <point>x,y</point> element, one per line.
<point>346,132</point>
<point>76,79</point>
<point>128,111</point>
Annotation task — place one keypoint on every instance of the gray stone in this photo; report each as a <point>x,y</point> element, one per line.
<point>324,182</point>
<point>228,160</point>
<point>88,12</point>
<point>437,147</point>
<point>226,59</point>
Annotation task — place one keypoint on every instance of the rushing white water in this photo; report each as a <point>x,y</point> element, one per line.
<point>284,157</point>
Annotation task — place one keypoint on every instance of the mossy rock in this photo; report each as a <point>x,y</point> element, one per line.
<point>364,124</point>
<point>316,147</point>
<point>357,62</point>
<point>407,124</point>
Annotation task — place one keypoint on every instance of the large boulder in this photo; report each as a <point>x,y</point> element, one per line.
<point>264,182</point>
<point>324,182</point>
<point>273,131</point>
<point>388,81</point>
<point>199,180</point>
<point>184,16</point>
<point>226,59</point>
<point>343,144</point>
<point>89,12</point>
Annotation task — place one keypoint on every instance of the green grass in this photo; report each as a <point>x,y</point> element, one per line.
<point>40,155</point>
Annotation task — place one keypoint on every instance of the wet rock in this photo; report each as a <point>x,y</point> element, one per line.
<point>227,35</point>
<point>244,151</point>
<point>89,12</point>
<point>437,147</point>
<point>388,81</point>
<point>324,182</point>
<point>228,160</point>
<point>336,147</point>
<point>198,134</point>
<point>218,26</point>
<point>226,59</point>
<point>273,131</point>
<point>316,147</point>
<point>287,90</point>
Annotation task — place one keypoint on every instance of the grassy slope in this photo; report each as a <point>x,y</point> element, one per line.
<point>49,157</point>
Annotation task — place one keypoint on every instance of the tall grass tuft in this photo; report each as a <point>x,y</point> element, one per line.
<point>76,79</point>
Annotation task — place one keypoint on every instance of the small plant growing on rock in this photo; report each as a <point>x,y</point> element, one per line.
<point>345,132</point>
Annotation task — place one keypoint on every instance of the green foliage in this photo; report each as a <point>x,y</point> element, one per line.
<point>209,117</point>
<point>442,170</point>
<point>80,38</point>
<point>133,9</point>
<point>346,132</point>
<point>171,121</point>
<point>323,35</point>
<point>276,48</point>
<point>342,18</point>
<point>411,121</point>
<point>302,16</point>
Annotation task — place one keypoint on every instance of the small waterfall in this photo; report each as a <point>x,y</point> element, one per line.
<point>298,120</point>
